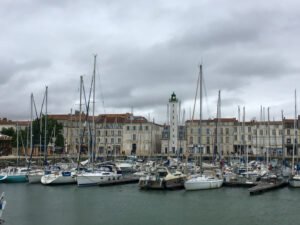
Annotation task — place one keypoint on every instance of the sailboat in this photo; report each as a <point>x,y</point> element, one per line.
<point>202,181</point>
<point>295,180</point>
<point>34,175</point>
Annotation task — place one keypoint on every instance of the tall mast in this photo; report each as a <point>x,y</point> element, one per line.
<point>80,123</point>
<point>269,137</point>
<point>282,136</point>
<point>200,120</point>
<point>239,131</point>
<point>218,122</point>
<point>295,134</point>
<point>46,117</point>
<point>31,118</point>
<point>18,154</point>
<point>94,126</point>
<point>245,147</point>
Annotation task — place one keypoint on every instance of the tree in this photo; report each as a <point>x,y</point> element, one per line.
<point>38,133</point>
<point>54,132</point>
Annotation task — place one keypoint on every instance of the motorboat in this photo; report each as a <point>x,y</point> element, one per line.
<point>162,178</point>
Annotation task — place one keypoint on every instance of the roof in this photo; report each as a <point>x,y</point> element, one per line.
<point>223,120</point>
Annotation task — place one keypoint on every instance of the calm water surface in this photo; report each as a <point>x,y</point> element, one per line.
<point>29,204</point>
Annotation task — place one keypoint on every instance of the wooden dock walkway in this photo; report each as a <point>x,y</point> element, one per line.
<point>267,186</point>
<point>239,184</point>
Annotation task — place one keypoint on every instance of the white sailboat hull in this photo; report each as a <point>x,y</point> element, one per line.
<point>295,181</point>
<point>202,183</point>
<point>90,179</point>
<point>34,178</point>
<point>58,179</point>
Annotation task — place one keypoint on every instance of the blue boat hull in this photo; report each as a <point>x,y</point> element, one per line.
<point>15,179</point>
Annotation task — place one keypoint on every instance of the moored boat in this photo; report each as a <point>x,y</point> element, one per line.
<point>162,178</point>
<point>14,175</point>
<point>102,174</point>
<point>201,182</point>
<point>61,177</point>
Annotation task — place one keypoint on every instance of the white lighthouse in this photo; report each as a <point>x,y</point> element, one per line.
<point>173,113</point>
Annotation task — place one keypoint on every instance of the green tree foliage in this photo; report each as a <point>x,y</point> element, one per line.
<point>10,132</point>
<point>54,130</point>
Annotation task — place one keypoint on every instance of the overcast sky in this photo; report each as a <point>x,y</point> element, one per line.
<point>146,50</point>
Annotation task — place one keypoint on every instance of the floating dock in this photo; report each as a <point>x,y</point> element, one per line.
<point>267,186</point>
<point>239,184</point>
<point>125,180</point>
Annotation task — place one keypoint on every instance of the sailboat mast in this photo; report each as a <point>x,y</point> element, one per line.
<point>46,117</point>
<point>245,147</point>
<point>200,120</point>
<point>18,154</point>
<point>94,127</point>
<point>282,136</point>
<point>80,123</point>
<point>269,137</point>
<point>31,118</point>
<point>295,134</point>
<point>218,121</point>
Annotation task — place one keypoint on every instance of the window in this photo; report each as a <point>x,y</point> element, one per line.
<point>288,132</point>
<point>207,140</point>
<point>227,131</point>
<point>134,127</point>
<point>146,127</point>
<point>227,140</point>
<point>207,131</point>
<point>134,137</point>
<point>112,133</point>
<point>141,128</point>
<point>112,140</point>
<point>249,129</point>
<point>191,140</point>
<point>119,140</point>
<point>128,128</point>
<point>274,132</point>
<point>119,133</point>
<point>249,137</point>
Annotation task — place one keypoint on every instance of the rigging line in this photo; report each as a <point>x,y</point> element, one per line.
<point>195,98</point>
<point>43,104</point>
<point>35,108</point>
<point>101,91</point>
<point>206,98</point>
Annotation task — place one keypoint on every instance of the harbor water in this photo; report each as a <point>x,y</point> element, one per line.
<point>29,204</point>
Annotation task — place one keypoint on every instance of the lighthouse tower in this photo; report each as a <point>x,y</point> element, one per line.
<point>173,113</point>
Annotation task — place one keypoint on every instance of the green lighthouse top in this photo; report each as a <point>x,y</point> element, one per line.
<point>173,98</point>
